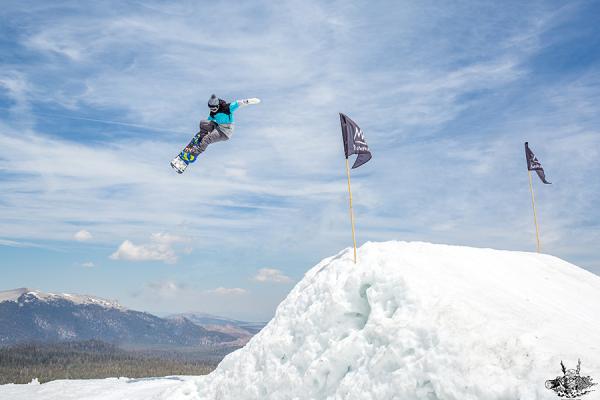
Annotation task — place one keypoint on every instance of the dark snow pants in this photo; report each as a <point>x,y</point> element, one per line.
<point>209,133</point>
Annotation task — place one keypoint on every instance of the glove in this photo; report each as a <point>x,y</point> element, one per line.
<point>246,102</point>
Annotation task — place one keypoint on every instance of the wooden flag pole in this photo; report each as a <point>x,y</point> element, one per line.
<point>351,211</point>
<point>537,231</point>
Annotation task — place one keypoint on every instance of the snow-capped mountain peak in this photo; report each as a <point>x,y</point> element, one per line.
<point>28,315</point>
<point>27,295</point>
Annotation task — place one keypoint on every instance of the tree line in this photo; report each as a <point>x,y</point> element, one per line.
<point>93,359</point>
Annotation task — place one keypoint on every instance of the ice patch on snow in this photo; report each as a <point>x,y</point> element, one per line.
<point>420,321</point>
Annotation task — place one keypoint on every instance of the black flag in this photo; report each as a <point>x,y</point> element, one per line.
<point>354,141</point>
<point>533,164</point>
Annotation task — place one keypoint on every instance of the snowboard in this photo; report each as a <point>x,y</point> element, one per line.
<point>188,155</point>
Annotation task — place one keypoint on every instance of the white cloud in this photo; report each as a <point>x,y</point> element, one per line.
<point>222,291</point>
<point>88,264</point>
<point>44,43</point>
<point>271,275</point>
<point>166,289</point>
<point>160,249</point>
<point>82,236</point>
<point>129,251</point>
<point>167,238</point>
<point>13,243</point>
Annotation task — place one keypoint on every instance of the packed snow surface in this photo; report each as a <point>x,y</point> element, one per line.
<point>95,389</point>
<point>408,321</point>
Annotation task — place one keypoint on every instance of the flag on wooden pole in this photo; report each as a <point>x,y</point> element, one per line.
<point>533,164</point>
<point>354,143</point>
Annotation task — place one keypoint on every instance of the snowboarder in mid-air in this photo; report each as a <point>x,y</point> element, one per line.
<point>218,127</point>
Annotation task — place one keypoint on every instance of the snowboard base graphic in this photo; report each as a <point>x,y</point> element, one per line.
<point>188,155</point>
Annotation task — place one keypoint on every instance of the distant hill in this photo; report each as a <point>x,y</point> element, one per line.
<point>242,330</point>
<point>33,316</point>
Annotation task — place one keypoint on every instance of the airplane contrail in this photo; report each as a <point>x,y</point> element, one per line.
<point>104,121</point>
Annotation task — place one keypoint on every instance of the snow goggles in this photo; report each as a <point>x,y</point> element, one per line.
<point>213,108</point>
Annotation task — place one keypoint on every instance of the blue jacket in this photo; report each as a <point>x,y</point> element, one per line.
<point>222,116</point>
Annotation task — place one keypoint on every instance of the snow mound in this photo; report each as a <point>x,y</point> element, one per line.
<point>419,321</point>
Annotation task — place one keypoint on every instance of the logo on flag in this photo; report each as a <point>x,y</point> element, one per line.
<point>533,164</point>
<point>354,141</point>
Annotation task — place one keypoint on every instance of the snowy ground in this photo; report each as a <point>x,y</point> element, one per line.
<point>96,389</point>
<point>409,321</point>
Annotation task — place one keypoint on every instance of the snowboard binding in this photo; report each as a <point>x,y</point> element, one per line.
<point>178,164</point>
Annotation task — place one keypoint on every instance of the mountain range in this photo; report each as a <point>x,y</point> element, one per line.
<point>33,316</point>
<point>243,330</point>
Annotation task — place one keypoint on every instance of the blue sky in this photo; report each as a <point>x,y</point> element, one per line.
<point>96,98</point>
